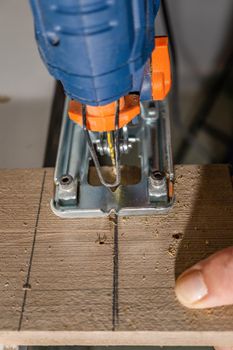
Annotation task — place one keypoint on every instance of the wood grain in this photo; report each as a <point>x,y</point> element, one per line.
<point>56,275</point>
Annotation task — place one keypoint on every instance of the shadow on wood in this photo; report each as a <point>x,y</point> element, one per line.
<point>210,226</point>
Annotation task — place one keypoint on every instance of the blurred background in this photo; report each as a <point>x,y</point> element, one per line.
<point>201,102</point>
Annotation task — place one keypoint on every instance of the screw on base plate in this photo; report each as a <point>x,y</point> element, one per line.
<point>66,181</point>
<point>157,177</point>
<point>67,190</point>
<point>157,185</point>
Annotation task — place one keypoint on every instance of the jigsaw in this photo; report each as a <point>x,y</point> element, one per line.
<point>115,146</point>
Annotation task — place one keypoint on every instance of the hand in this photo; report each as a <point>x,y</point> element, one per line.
<point>208,283</point>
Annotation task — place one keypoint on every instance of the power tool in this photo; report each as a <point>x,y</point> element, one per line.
<point>115,146</point>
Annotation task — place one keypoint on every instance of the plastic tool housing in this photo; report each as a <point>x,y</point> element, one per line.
<point>97,48</point>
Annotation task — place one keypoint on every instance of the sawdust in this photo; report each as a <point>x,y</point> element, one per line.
<point>172,250</point>
<point>112,219</point>
<point>209,311</point>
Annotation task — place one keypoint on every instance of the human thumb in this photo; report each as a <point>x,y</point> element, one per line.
<point>208,283</point>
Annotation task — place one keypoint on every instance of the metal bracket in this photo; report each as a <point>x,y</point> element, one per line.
<point>150,192</point>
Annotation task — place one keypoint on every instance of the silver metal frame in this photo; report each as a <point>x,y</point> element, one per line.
<point>74,197</point>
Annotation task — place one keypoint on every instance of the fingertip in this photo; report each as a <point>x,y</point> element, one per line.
<point>208,283</point>
<point>191,288</point>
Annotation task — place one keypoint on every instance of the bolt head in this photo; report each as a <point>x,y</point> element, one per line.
<point>158,178</point>
<point>66,181</point>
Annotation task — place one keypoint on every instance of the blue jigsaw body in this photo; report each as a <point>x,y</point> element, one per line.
<point>98,49</point>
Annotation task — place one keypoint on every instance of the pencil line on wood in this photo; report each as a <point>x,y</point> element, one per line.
<point>115,305</point>
<point>27,286</point>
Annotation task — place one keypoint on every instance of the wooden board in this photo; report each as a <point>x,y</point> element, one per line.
<point>83,282</point>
